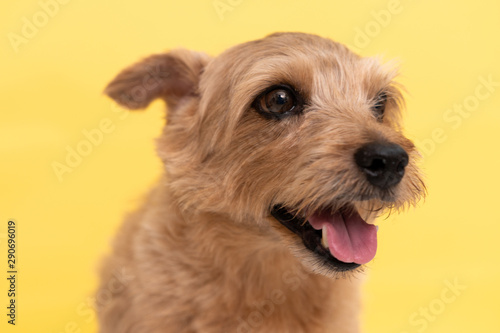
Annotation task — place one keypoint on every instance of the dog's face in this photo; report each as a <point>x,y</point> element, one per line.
<point>292,132</point>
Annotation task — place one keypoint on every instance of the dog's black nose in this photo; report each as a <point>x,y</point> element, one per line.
<point>383,163</point>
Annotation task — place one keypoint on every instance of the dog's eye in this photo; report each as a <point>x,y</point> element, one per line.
<point>379,107</point>
<point>277,102</point>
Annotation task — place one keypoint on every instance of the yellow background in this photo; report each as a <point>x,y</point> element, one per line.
<point>50,91</point>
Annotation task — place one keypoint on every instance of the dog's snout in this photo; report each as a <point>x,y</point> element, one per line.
<point>382,163</point>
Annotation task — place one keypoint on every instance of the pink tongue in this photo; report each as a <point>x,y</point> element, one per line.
<point>350,238</point>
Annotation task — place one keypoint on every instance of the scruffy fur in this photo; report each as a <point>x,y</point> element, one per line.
<point>204,254</point>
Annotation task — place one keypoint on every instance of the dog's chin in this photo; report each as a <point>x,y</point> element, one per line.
<point>329,242</point>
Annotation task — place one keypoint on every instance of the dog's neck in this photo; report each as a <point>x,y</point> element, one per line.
<point>241,259</point>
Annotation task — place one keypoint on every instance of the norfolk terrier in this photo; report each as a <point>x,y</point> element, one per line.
<point>279,154</point>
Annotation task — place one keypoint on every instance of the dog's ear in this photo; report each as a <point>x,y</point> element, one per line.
<point>170,76</point>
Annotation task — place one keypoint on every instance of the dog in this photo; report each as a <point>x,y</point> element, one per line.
<point>279,154</point>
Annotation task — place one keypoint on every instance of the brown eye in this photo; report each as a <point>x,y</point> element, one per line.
<point>378,107</point>
<point>277,102</point>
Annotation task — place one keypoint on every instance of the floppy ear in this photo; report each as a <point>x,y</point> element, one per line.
<point>170,76</point>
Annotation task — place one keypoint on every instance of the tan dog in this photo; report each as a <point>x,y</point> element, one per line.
<point>279,154</point>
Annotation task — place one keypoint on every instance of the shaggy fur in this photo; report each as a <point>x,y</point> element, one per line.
<point>204,253</point>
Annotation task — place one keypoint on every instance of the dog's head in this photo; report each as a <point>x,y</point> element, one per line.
<point>292,131</point>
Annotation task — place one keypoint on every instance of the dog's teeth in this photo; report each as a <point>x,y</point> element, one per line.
<point>377,227</point>
<point>324,237</point>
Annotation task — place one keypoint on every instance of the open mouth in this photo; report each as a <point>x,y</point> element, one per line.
<point>342,239</point>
